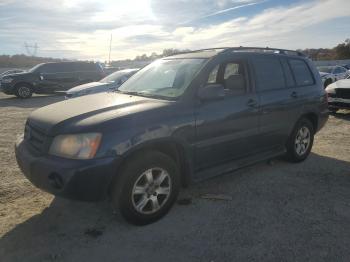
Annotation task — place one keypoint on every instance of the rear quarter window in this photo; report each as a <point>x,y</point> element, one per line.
<point>89,67</point>
<point>301,72</point>
<point>269,73</point>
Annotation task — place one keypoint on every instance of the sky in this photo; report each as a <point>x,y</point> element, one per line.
<point>81,29</point>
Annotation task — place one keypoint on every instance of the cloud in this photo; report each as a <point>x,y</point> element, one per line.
<point>82,28</point>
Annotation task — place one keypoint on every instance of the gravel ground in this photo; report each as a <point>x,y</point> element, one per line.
<point>278,212</point>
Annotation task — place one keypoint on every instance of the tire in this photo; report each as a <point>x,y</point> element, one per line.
<point>24,91</point>
<point>300,142</point>
<point>136,192</point>
<point>333,110</point>
<point>328,82</point>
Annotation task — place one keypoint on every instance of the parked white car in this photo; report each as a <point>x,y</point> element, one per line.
<point>331,74</point>
<point>339,95</point>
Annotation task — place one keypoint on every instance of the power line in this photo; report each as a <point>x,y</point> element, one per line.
<point>31,49</point>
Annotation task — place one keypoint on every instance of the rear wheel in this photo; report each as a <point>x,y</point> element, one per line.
<point>300,142</point>
<point>147,189</point>
<point>23,91</point>
<point>333,110</point>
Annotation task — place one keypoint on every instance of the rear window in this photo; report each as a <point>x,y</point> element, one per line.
<point>301,71</point>
<point>50,68</point>
<point>86,67</point>
<point>287,73</point>
<point>269,73</point>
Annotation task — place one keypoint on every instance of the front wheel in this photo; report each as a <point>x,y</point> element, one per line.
<point>24,91</point>
<point>147,189</point>
<point>300,142</point>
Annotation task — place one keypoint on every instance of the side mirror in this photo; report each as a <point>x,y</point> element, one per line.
<point>41,76</point>
<point>211,92</point>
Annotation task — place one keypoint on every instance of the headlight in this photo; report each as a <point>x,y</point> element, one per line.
<point>78,146</point>
<point>330,90</point>
<point>7,80</point>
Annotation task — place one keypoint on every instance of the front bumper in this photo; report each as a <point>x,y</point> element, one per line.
<point>86,180</point>
<point>338,103</point>
<point>7,88</point>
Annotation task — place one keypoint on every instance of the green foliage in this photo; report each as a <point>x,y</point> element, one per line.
<point>343,50</point>
<point>340,52</point>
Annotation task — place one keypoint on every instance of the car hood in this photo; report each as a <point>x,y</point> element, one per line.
<point>15,75</point>
<point>86,86</point>
<point>345,83</point>
<point>82,114</point>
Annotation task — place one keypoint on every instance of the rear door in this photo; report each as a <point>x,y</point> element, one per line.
<point>226,129</point>
<point>305,86</point>
<point>68,75</point>
<point>278,99</point>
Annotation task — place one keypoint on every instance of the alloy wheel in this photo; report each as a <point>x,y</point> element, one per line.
<point>151,190</point>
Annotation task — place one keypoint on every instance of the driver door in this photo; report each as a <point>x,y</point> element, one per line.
<point>227,129</point>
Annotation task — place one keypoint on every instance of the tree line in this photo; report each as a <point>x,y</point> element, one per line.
<point>339,52</point>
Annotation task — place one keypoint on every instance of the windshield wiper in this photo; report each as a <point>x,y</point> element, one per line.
<point>144,94</point>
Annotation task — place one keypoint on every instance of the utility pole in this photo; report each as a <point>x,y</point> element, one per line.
<point>110,49</point>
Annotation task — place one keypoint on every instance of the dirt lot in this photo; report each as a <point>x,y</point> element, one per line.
<point>278,212</point>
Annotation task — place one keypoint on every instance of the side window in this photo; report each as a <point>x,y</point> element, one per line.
<point>231,69</point>
<point>230,75</point>
<point>269,73</point>
<point>213,76</point>
<point>339,70</point>
<point>47,68</point>
<point>67,67</point>
<point>301,71</point>
<point>287,73</point>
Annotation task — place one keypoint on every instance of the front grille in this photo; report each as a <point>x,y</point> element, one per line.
<point>343,93</point>
<point>35,138</point>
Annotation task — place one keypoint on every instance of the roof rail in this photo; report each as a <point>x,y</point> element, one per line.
<point>247,49</point>
<point>265,49</point>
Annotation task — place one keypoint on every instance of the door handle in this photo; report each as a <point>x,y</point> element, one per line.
<point>294,94</point>
<point>252,103</point>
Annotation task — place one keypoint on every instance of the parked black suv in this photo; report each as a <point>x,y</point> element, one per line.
<point>180,119</point>
<point>51,77</point>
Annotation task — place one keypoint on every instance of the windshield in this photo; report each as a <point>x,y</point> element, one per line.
<point>33,69</point>
<point>117,77</point>
<point>166,78</point>
<point>325,69</point>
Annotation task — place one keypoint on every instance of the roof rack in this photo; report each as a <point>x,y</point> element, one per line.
<point>264,50</point>
<point>248,49</point>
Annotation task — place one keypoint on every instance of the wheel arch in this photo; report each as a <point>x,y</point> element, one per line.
<point>24,83</point>
<point>176,150</point>
<point>313,118</point>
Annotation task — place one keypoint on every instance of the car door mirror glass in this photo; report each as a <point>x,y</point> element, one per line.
<point>211,92</point>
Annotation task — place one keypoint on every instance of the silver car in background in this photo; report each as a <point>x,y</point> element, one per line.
<point>110,82</point>
<point>331,74</point>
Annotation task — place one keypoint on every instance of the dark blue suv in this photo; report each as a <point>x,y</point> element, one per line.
<point>179,120</point>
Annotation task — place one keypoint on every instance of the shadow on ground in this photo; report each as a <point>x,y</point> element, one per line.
<point>343,114</point>
<point>33,102</point>
<point>278,212</point>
